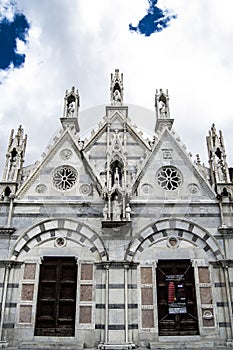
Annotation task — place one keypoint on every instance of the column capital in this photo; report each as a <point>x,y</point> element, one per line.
<point>226,263</point>
<point>126,266</point>
<point>106,266</point>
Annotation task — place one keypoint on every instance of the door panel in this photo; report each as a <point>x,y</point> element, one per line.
<point>177,309</point>
<point>56,303</point>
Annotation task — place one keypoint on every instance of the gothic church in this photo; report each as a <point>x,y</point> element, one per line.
<point>116,241</point>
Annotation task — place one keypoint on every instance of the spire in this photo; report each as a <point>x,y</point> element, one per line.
<point>71,108</point>
<point>13,169</point>
<point>219,171</point>
<point>162,110</point>
<point>217,157</point>
<point>116,88</point>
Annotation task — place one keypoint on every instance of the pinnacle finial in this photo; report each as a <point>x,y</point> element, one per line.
<point>116,88</point>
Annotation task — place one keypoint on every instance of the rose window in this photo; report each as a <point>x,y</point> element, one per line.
<point>65,178</point>
<point>169,178</point>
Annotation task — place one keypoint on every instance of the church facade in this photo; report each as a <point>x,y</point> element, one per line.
<point>116,241</point>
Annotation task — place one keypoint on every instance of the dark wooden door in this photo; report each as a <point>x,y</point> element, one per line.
<point>56,303</point>
<point>177,308</point>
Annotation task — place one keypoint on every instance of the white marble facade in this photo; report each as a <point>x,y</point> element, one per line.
<point>115,241</point>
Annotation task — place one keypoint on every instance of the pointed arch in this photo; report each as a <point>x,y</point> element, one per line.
<point>116,169</point>
<point>117,158</point>
<point>116,87</point>
<point>7,191</point>
<point>45,230</point>
<point>181,228</point>
<point>163,98</point>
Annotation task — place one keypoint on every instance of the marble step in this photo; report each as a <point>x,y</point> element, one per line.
<point>205,345</point>
<point>51,346</point>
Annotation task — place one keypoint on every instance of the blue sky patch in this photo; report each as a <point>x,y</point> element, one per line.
<point>10,31</point>
<point>154,21</point>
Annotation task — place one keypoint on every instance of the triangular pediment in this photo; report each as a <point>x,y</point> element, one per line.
<point>116,121</point>
<point>169,172</point>
<point>116,140</point>
<point>62,172</point>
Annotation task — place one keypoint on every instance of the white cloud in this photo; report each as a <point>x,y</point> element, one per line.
<point>80,42</point>
<point>7,10</point>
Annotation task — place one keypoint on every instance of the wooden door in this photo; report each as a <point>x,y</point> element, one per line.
<point>56,303</point>
<point>177,309</point>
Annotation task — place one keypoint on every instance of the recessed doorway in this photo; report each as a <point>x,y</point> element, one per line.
<point>176,297</point>
<point>56,303</point>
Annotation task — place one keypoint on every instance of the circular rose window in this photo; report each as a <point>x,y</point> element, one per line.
<point>169,178</point>
<point>64,178</point>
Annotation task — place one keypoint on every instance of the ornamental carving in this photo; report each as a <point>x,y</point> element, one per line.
<point>193,188</point>
<point>167,153</point>
<point>173,242</point>
<point>66,154</point>
<point>85,189</point>
<point>60,242</point>
<point>41,188</point>
<point>146,188</point>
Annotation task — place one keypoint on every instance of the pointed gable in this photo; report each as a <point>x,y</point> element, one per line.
<point>169,172</point>
<point>116,144</point>
<point>62,172</point>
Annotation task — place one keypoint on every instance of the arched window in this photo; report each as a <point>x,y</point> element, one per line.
<point>7,191</point>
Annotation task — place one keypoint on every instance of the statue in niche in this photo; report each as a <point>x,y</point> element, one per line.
<point>116,177</point>
<point>13,168</point>
<point>105,212</point>
<point>128,212</point>
<point>2,195</point>
<point>162,110</point>
<point>116,210</point>
<point>71,108</point>
<point>221,171</point>
<point>117,96</point>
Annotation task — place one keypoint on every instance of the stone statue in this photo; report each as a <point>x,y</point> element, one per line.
<point>13,168</point>
<point>105,212</point>
<point>128,212</point>
<point>162,110</point>
<point>71,108</point>
<point>116,177</point>
<point>220,170</point>
<point>117,96</point>
<point>116,210</point>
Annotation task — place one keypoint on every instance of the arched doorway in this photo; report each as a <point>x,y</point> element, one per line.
<point>175,258</point>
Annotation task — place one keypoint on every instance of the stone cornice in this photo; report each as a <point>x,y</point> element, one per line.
<point>225,230</point>
<point>7,230</point>
<point>225,263</point>
<point>10,263</point>
<point>116,264</point>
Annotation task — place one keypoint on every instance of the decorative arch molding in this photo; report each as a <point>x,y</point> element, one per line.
<point>48,229</point>
<point>117,158</point>
<point>180,228</point>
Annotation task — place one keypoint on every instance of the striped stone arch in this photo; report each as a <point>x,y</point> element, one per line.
<point>49,230</point>
<point>180,228</point>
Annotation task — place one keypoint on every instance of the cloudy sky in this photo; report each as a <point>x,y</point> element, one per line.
<point>48,46</point>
